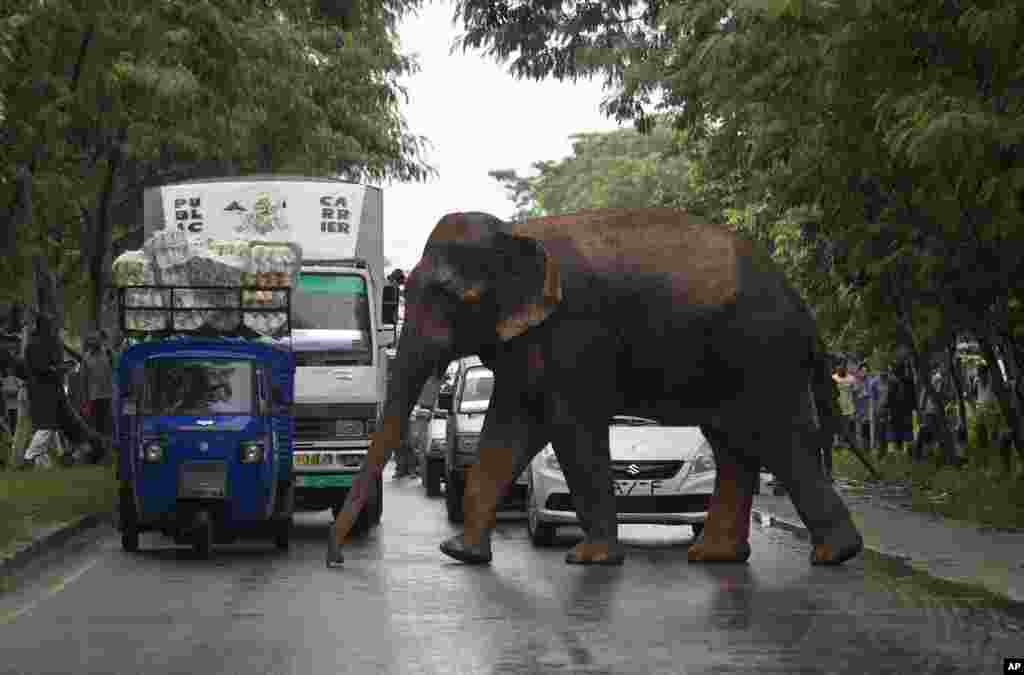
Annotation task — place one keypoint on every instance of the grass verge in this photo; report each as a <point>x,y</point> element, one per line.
<point>30,499</point>
<point>972,494</point>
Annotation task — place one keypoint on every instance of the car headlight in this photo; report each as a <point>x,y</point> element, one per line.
<point>153,453</point>
<point>438,444</point>
<point>251,452</point>
<point>704,462</point>
<point>551,459</point>
<point>467,444</point>
<point>350,428</point>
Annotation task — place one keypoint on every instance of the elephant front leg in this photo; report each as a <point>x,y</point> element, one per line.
<point>504,451</point>
<point>726,535</point>
<point>584,456</point>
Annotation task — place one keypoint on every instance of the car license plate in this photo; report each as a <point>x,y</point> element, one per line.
<point>634,488</point>
<point>336,480</point>
<point>307,460</point>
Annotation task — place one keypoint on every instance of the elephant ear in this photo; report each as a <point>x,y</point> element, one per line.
<point>535,287</point>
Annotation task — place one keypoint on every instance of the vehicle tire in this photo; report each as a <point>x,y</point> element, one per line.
<point>541,534</point>
<point>283,534</point>
<point>432,477</point>
<point>128,518</point>
<point>202,542</point>
<point>697,529</point>
<point>453,493</point>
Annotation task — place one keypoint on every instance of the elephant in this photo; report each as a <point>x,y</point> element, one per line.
<point>636,312</point>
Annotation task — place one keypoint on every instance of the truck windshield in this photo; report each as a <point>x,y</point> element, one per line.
<point>333,302</point>
<point>476,393</point>
<point>199,387</point>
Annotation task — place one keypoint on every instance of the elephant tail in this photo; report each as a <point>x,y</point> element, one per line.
<point>825,403</point>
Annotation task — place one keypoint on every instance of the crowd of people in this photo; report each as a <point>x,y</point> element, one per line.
<point>88,388</point>
<point>877,409</point>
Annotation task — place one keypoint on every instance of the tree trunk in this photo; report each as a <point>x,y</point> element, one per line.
<point>1002,391</point>
<point>958,386</point>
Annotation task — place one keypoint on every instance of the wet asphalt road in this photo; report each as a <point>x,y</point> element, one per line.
<point>400,606</point>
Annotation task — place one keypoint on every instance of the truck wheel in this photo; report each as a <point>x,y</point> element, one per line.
<point>128,518</point>
<point>283,533</point>
<point>453,498</point>
<point>541,534</point>
<point>432,477</point>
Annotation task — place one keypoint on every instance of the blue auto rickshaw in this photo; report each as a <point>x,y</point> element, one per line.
<point>204,427</point>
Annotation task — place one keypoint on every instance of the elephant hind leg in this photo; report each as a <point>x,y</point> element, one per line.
<point>726,535</point>
<point>834,536</point>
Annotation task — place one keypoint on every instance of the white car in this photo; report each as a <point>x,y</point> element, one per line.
<point>663,476</point>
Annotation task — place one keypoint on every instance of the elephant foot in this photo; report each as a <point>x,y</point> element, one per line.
<point>457,548</point>
<point>838,550</point>
<point>586,553</point>
<point>718,550</point>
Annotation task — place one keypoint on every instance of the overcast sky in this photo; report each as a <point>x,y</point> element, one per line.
<point>478,118</point>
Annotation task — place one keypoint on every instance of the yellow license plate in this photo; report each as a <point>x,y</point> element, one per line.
<point>307,460</point>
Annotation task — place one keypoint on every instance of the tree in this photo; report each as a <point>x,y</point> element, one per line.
<point>881,139</point>
<point>617,169</point>
<point>100,100</point>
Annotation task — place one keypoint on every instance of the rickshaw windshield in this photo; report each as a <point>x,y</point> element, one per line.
<point>199,387</point>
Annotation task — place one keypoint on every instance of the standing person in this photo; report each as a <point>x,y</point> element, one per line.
<point>845,383</point>
<point>878,386</point>
<point>45,380</point>
<point>928,433</point>
<point>11,385</point>
<point>98,387</point>
<point>861,403</point>
<point>900,405</point>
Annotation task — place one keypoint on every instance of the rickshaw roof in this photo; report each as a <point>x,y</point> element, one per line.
<point>278,357</point>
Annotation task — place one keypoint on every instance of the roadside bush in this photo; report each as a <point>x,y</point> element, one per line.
<point>977,493</point>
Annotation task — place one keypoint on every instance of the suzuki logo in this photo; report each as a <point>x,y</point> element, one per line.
<point>204,446</point>
<point>632,469</point>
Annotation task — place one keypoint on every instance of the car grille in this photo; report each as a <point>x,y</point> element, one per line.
<point>640,504</point>
<point>645,470</point>
<point>203,480</point>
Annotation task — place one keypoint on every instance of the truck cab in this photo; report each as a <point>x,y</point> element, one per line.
<point>341,370</point>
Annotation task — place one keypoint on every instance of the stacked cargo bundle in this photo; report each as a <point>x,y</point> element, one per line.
<point>170,258</point>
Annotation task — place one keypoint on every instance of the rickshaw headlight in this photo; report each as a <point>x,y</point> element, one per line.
<point>153,453</point>
<point>252,453</point>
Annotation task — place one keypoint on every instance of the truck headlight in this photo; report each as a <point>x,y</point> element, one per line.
<point>153,453</point>
<point>438,444</point>
<point>251,452</point>
<point>704,462</point>
<point>353,428</point>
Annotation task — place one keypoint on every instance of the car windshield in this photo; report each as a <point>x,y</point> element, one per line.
<point>476,393</point>
<point>199,387</point>
<point>335,302</point>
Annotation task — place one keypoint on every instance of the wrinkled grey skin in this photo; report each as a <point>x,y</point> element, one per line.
<point>642,313</point>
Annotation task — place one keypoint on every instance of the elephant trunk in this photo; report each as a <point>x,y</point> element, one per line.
<point>416,361</point>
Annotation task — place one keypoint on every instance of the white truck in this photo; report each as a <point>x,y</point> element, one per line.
<point>338,310</point>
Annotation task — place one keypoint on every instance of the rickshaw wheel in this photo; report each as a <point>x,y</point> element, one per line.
<point>203,542</point>
<point>129,520</point>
